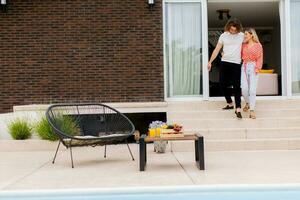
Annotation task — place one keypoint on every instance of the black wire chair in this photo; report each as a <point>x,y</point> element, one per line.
<point>88,125</point>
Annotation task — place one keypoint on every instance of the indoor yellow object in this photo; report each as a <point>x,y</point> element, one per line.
<point>266,71</point>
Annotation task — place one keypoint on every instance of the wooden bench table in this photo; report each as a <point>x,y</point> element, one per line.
<point>199,148</point>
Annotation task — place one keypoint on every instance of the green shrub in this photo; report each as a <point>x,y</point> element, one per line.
<point>20,129</point>
<point>68,125</point>
<point>65,123</point>
<point>45,131</point>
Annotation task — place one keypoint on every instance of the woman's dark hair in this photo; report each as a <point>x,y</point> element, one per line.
<point>235,23</point>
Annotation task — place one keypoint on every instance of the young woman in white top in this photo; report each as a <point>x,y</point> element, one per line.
<point>230,68</point>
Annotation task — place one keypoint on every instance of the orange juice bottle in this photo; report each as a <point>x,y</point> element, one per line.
<point>152,132</point>
<point>158,132</point>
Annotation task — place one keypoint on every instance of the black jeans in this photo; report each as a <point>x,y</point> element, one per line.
<point>230,75</point>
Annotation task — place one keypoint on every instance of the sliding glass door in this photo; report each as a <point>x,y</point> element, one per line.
<point>295,45</point>
<point>183,46</point>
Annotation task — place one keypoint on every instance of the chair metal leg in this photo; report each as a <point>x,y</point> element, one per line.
<point>105,151</point>
<point>71,157</point>
<point>56,152</point>
<point>129,150</point>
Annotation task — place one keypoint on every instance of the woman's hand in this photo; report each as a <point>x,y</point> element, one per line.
<point>214,55</point>
<point>256,71</point>
<point>209,66</point>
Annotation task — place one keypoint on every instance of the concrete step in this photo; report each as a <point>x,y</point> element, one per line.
<point>125,107</point>
<point>217,105</point>
<point>277,125</point>
<point>235,123</point>
<point>239,145</point>
<point>219,114</point>
<point>249,133</point>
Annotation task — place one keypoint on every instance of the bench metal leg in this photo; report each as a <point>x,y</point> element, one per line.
<point>129,150</point>
<point>105,151</point>
<point>71,157</point>
<point>199,152</point>
<point>143,153</point>
<point>196,151</point>
<point>56,152</point>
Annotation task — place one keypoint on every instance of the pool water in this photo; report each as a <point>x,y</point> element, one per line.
<point>238,192</point>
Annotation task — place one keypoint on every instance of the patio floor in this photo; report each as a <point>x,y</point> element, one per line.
<point>34,170</point>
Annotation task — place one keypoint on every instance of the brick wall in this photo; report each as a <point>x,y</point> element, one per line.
<point>80,51</point>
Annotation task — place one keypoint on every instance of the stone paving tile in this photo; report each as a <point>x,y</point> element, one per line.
<point>34,170</point>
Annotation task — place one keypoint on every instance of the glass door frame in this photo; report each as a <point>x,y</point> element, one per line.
<point>286,7</point>
<point>204,29</point>
<point>286,68</point>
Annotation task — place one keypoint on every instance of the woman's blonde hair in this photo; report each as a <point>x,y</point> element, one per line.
<point>253,33</point>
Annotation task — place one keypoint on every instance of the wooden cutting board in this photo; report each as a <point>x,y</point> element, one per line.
<point>177,135</point>
<point>169,131</point>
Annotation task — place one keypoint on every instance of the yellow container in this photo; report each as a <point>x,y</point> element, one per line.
<point>266,71</point>
<point>152,132</point>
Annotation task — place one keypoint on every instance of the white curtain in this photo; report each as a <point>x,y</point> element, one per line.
<point>295,45</point>
<point>183,48</point>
